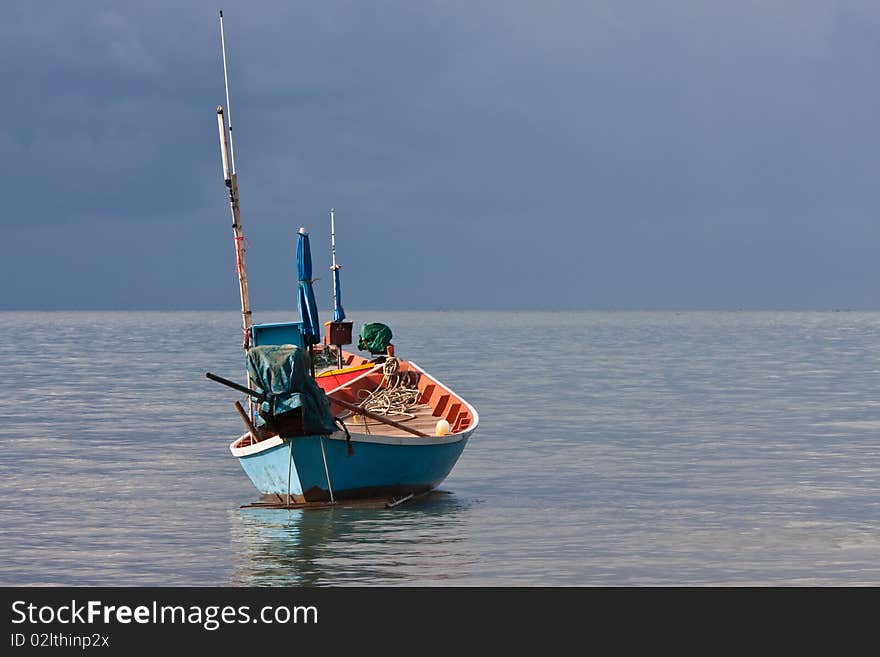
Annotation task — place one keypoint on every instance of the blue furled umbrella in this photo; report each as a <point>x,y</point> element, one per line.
<point>308,307</point>
<point>338,311</point>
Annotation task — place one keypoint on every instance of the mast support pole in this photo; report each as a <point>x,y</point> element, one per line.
<point>227,155</point>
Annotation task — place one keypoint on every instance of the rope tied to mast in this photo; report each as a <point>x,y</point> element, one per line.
<point>241,245</point>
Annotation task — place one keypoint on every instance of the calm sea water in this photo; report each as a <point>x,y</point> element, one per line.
<point>613,449</point>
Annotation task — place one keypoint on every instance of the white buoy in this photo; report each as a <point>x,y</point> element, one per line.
<point>442,428</point>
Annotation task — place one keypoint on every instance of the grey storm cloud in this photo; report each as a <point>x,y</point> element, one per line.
<point>479,154</point>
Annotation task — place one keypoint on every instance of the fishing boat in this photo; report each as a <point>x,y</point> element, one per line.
<point>324,424</point>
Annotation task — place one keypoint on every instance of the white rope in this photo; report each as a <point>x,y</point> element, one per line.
<point>397,394</point>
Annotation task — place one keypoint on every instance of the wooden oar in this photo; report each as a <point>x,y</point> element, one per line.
<point>256,435</point>
<point>354,408</point>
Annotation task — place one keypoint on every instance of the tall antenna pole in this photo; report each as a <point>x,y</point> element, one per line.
<point>231,180</point>
<point>338,334</point>
<point>334,267</point>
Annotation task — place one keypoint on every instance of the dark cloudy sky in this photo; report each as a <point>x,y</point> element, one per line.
<point>480,154</point>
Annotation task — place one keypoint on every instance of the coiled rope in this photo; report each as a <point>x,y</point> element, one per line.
<point>397,394</point>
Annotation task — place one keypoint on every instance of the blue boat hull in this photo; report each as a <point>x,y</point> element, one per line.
<point>365,467</point>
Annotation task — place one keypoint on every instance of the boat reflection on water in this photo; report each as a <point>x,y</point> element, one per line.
<point>418,543</point>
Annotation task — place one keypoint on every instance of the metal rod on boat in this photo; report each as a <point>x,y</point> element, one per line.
<point>327,472</point>
<point>226,81</point>
<point>289,465</point>
<point>334,267</point>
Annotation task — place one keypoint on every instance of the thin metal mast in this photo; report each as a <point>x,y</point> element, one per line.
<point>228,107</point>
<point>334,267</point>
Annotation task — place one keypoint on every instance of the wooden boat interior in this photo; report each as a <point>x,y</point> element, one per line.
<point>434,402</point>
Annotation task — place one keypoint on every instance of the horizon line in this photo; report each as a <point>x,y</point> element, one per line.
<point>443,310</point>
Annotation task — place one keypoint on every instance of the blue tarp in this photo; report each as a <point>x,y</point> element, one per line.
<point>281,373</point>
